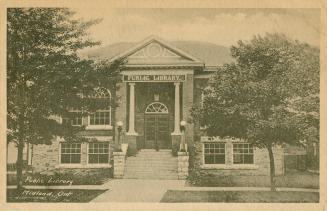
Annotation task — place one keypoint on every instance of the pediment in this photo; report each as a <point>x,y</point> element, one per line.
<point>157,52</point>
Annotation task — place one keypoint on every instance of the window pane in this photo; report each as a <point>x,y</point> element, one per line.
<point>209,159</point>
<point>65,158</point>
<point>220,159</point>
<point>93,158</point>
<point>214,153</point>
<point>70,153</point>
<point>103,158</point>
<point>75,158</point>
<point>237,159</point>
<point>242,153</point>
<point>248,159</point>
<point>98,152</point>
<point>100,118</point>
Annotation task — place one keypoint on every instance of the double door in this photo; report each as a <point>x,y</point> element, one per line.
<point>157,135</point>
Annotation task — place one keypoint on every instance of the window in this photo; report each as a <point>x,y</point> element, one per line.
<point>74,119</point>
<point>242,153</point>
<point>214,153</point>
<point>98,153</point>
<point>70,153</point>
<point>101,117</point>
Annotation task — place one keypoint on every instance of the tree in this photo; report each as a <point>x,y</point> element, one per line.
<point>269,96</point>
<point>46,77</point>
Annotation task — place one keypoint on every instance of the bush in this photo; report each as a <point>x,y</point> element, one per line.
<point>77,176</point>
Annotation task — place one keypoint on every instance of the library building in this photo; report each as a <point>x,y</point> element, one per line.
<point>148,132</point>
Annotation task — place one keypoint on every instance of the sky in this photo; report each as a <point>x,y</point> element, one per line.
<point>220,26</point>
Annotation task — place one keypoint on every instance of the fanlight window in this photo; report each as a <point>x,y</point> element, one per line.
<point>155,108</point>
<point>101,93</point>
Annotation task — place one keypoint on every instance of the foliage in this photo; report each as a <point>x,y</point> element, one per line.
<point>269,95</point>
<point>46,77</point>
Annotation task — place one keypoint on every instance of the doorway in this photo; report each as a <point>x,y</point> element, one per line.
<point>156,127</point>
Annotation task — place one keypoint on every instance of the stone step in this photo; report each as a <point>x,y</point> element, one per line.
<point>152,158</point>
<point>152,164</point>
<point>151,170</point>
<point>155,155</point>
<point>151,173</point>
<point>163,172</point>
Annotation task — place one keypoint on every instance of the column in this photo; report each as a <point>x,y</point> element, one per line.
<point>177,130</point>
<point>131,129</point>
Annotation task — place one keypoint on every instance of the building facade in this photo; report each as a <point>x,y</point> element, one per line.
<point>160,84</point>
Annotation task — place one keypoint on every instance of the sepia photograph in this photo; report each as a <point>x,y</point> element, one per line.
<point>162,105</point>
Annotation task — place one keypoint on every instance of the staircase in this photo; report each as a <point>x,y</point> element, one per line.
<point>151,164</point>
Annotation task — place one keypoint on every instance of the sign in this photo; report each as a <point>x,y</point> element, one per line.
<point>153,78</point>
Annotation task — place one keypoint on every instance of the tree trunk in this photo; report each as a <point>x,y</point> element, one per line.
<point>272,168</point>
<point>20,164</point>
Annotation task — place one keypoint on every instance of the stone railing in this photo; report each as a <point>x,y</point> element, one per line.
<point>119,162</point>
<point>183,159</point>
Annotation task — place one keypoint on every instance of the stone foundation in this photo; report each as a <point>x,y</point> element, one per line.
<point>183,164</point>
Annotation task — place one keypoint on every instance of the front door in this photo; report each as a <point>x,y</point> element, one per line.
<point>157,127</point>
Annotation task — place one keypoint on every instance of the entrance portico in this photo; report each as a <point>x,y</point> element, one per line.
<point>157,73</point>
<point>158,128</point>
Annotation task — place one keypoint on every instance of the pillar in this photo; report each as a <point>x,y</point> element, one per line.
<point>131,129</point>
<point>177,130</point>
<point>131,135</point>
<point>176,135</point>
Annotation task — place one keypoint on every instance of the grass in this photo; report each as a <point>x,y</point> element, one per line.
<point>172,196</point>
<point>294,179</point>
<point>46,195</point>
<point>57,177</point>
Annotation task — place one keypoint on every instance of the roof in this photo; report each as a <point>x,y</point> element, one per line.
<point>209,53</point>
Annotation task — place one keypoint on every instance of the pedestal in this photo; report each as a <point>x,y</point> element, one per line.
<point>183,163</point>
<point>132,146</point>
<point>119,164</point>
<point>176,140</point>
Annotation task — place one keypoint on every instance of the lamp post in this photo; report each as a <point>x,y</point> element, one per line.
<point>183,127</point>
<point>119,128</point>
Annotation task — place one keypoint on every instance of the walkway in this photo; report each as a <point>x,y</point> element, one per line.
<point>136,190</point>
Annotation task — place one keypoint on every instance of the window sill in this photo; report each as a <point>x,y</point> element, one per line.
<point>69,165</point>
<point>83,166</point>
<point>98,127</point>
<point>93,166</point>
<point>232,167</point>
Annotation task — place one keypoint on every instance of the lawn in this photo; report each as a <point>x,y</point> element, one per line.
<point>46,195</point>
<point>294,179</point>
<point>173,196</point>
<point>64,177</point>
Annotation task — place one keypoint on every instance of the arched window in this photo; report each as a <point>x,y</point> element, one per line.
<point>156,108</point>
<point>101,93</point>
<point>101,117</point>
